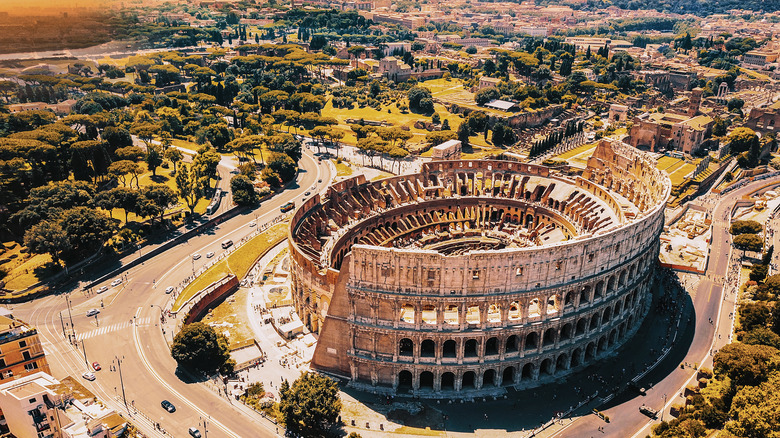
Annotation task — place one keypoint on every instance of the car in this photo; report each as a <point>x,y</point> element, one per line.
<point>647,410</point>
<point>169,289</point>
<point>210,254</point>
<point>319,180</point>
<point>96,366</point>
<point>168,406</point>
<point>307,193</point>
<point>102,289</point>
<point>195,256</point>
<point>287,207</point>
<point>253,224</point>
<point>92,312</point>
<point>116,282</point>
<point>89,376</point>
<point>194,432</point>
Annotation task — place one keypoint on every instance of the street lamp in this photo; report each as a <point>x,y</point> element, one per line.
<point>205,428</point>
<point>663,408</point>
<point>119,366</point>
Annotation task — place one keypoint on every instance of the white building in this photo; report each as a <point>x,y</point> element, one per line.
<point>449,150</point>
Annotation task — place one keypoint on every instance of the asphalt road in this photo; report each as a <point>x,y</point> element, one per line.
<point>713,302</point>
<point>127,329</point>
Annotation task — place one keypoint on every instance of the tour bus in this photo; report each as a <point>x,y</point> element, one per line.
<point>288,206</point>
<point>227,244</point>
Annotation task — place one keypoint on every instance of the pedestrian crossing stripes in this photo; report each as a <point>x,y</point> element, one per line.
<point>112,328</point>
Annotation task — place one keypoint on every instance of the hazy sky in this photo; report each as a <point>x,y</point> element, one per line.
<point>27,6</point>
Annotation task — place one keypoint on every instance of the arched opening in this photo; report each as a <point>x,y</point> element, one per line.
<point>404,381</point>
<point>582,325</point>
<point>406,347</point>
<point>470,348</point>
<point>429,315</point>
<point>585,295</point>
<point>590,352</point>
<point>532,341</point>
<point>514,311</point>
<point>468,380</point>
<point>528,371</point>
<point>622,279</point>
<point>489,378</point>
<point>547,367</point>
<point>594,322</point>
<point>426,380</point>
<point>611,284</point>
<point>612,337</point>
<point>576,357</point>
<point>491,347</point>
<point>472,315</point>
<point>508,376</point>
<point>449,349</point>
<point>494,313</point>
<point>451,315</point>
<point>599,292</point>
<point>607,315</point>
<point>549,337</point>
<point>448,382</point>
<point>512,344</point>
<point>533,309</point>
<point>618,308</point>
<point>552,304</point>
<point>568,300</point>
<point>566,332</point>
<point>602,344</point>
<point>407,313</point>
<point>428,348</point>
<point>562,364</point>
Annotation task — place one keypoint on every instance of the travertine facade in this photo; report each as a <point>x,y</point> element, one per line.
<point>476,274</point>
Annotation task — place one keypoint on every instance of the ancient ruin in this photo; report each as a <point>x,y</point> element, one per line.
<point>475,274</point>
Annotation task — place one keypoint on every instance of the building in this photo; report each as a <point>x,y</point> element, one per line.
<point>759,58</point>
<point>397,48</point>
<point>533,31</point>
<point>394,69</point>
<point>473,275</point>
<point>487,82</point>
<point>583,43</point>
<point>669,131</point>
<point>618,113</point>
<point>400,20</point>
<point>21,352</point>
<point>40,406</point>
<point>764,119</point>
<point>449,150</point>
<point>476,42</point>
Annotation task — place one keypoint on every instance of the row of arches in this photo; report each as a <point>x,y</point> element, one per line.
<point>470,379</point>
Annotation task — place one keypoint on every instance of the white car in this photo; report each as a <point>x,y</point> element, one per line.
<point>210,254</point>
<point>92,312</point>
<point>195,256</point>
<point>116,282</point>
<point>169,289</point>
<point>102,289</point>
<point>89,376</point>
<point>253,224</point>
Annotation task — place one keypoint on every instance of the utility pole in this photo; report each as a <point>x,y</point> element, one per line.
<point>70,315</point>
<point>62,322</point>
<point>663,408</point>
<point>85,352</point>
<point>122,382</point>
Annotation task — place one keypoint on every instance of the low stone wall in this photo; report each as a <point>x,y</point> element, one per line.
<point>209,298</point>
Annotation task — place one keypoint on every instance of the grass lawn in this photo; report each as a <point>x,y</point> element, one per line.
<point>342,168</point>
<point>238,262</point>
<point>590,147</point>
<point>231,319</point>
<point>24,269</point>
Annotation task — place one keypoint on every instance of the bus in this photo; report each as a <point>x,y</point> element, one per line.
<point>287,207</point>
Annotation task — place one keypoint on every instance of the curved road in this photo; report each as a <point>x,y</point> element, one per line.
<point>126,329</point>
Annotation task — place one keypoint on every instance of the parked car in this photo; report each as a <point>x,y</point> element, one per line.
<point>92,312</point>
<point>102,289</point>
<point>210,254</point>
<point>647,410</point>
<point>195,256</point>
<point>194,432</point>
<point>169,289</point>
<point>307,193</point>
<point>168,406</point>
<point>89,376</point>
<point>116,282</point>
<point>253,224</point>
<point>96,366</point>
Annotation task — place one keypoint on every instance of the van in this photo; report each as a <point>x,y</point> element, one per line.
<point>227,244</point>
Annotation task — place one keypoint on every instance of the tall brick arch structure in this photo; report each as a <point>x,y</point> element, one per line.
<point>477,274</point>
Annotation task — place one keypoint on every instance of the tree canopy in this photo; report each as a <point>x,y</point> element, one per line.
<point>198,347</point>
<point>310,406</point>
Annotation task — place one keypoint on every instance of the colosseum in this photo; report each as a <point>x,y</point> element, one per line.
<point>477,274</point>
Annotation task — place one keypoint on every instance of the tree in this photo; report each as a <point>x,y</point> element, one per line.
<point>719,127</point>
<point>311,406</point>
<point>124,168</point>
<point>748,242</point>
<point>161,196</point>
<point>485,95</point>
<point>47,238</point>
<point>187,187</point>
<point>132,153</point>
<point>283,165</point>
<point>117,137</point>
<point>120,197</point>
<point>87,230</point>
<point>154,158</point>
<point>416,96</point>
<point>745,227</point>
<point>741,139</point>
<point>204,166</point>
<point>199,348</point>
<point>745,364</point>
<point>754,410</point>
<point>471,50</point>
<point>243,190</point>
<point>752,315</point>
<point>174,155</point>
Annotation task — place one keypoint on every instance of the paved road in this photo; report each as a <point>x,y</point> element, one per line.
<point>713,303</point>
<point>127,329</point>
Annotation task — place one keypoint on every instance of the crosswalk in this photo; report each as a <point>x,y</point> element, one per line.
<point>112,328</point>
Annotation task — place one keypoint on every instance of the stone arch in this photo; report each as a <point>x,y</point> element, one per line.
<point>585,295</point>
<point>469,379</point>
<point>534,309</point>
<point>568,299</point>
<point>552,304</point>
<point>512,344</point>
<point>491,346</point>
<point>448,381</point>
<point>549,337</point>
<point>428,314</point>
<point>612,337</point>
<point>407,313</point>
<point>528,371</point>
<point>508,376</point>
<point>405,347</point>
<point>514,311</point>
<point>576,357</point>
<point>426,380</point>
<point>594,322</point>
<point>566,332</point>
<point>547,367</point>
<point>582,326</point>
<point>470,348</point>
<point>590,352</point>
<point>622,278</point>
<point>606,316</point>
<point>449,348</point>
<point>494,313</point>
<point>599,291</point>
<point>562,363</point>
<point>602,347</point>
<point>451,314</point>
<point>405,381</point>
<point>618,308</point>
<point>489,378</point>
<point>532,341</point>
<point>428,348</point>
<point>611,284</point>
